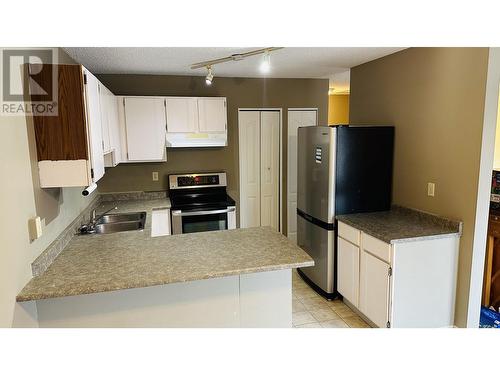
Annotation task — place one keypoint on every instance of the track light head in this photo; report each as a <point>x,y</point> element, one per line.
<point>209,78</point>
<point>265,66</point>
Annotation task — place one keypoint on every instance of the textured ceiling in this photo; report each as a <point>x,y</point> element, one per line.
<point>290,62</point>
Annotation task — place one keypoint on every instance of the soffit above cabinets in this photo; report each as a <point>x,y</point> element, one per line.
<point>289,62</point>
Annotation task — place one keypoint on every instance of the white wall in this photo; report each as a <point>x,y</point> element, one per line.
<point>488,158</point>
<point>496,162</point>
<point>17,205</point>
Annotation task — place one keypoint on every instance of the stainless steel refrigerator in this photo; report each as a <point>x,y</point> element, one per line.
<point>341,170</point>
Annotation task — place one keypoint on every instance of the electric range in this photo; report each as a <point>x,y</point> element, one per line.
<point>200,203</point>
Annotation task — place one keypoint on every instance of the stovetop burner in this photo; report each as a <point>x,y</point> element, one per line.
<point>199,192</point>
<point>193,201</point>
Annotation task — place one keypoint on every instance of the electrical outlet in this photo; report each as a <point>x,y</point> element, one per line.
<point>430,189</point>
<point>35,228</point>
<point>155,176</point>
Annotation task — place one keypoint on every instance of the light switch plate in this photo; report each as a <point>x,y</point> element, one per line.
<point>430,189</point>
<point>155,176</point>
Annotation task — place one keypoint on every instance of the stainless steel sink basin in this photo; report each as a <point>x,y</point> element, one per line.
<point>119,218</point>
<point>113,223</point>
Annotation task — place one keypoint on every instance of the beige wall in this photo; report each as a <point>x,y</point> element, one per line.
<point>338,109</point>
<point>240,93</point>
<point>435,99</point>
<point>21,199</point>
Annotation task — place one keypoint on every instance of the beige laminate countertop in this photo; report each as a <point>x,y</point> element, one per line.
<point>107,262</point>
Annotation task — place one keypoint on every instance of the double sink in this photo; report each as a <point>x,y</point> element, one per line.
<point>112,223</point>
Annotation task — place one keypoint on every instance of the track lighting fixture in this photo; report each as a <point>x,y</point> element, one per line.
<point>210,76</point>
<point>236,57</point>
<point>265,65</point>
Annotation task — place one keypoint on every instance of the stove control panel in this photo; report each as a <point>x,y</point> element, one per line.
<point>197,180</point>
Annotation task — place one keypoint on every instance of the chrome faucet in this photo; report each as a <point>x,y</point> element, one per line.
<point>94,219</point>
<point>90,227</point>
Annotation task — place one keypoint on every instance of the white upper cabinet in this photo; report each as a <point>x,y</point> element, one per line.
<point>182,115</point>
<point>110,127</point>
<point>145,129</point>
<point>106,143</point>
<point>94,121</point>
<point>212,115</point>
<point>114,131</point>
<point>109,116</point>
<point>196,122</point>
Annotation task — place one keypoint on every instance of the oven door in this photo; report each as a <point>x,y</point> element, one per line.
<point>203,221</point>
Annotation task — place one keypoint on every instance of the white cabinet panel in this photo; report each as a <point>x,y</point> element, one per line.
<point>114,130</point>
<point>105,117</point>
<point>94,127</point>
<point>145,129</point>
<point>374,289</point>
<point>110,127</point>
<point>349,233</point>
<point>182,115</point>
<point>212,115</point>
<point>160,222</point>
<point>348,271</point>
<point>266,299</point>
<point>376,247</point>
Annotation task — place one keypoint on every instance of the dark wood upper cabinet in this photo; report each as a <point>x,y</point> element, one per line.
<point>62,137</point>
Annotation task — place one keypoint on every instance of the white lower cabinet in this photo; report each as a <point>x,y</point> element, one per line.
<point>374,289</point>
<point>404,284</point>
<point>348,271</point>
<point>160,222</point>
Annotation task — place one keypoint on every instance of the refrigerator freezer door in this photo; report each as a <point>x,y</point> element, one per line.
<point>364,169</point>
<point>319,244</point>
<point>316,172</point>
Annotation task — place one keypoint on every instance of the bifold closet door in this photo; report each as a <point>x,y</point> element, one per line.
<point>269,169</point>
<point>259,168</point>
<point>249,145</point>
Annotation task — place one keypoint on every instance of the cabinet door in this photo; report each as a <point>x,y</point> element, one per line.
<point>212,115</point>
<point>160,222</point>
<point>182,115</point>
<point>110,128</point>
<point>374,289</point>
<point>114,126</point>
<point>145,129</point>
<point>94,124</point>
<point>348,271</point>
<point>105,117</point>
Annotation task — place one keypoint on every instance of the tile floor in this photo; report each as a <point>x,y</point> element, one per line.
<point>310,310</point>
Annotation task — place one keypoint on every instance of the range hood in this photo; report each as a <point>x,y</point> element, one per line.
<point>196,139</point>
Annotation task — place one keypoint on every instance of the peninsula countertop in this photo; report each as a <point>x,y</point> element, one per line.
<point>402,224</point>
<point>107,262</point>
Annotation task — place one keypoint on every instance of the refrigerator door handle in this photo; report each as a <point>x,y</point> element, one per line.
<point>313,220</point>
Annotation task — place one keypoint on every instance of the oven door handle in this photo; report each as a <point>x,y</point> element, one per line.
<point>199,213</point>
